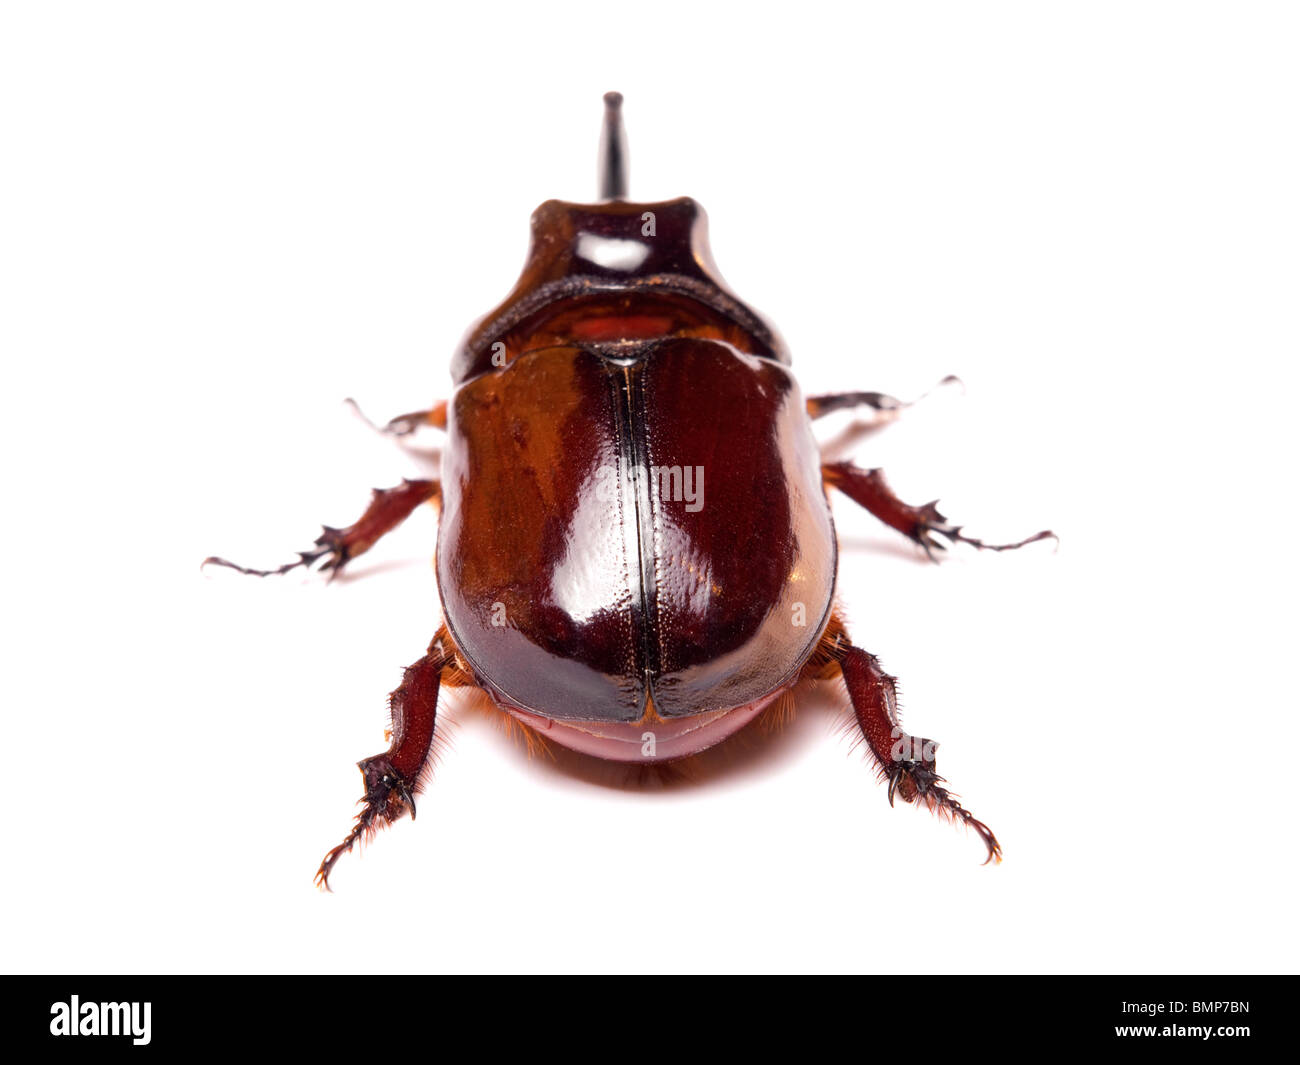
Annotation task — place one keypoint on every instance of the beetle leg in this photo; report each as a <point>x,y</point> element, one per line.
<point>889,406</point>
<point>906,762</point>
<point>405,424</point>
<point>389,507</point>
<point>393,779</point>
<point>921,524</point>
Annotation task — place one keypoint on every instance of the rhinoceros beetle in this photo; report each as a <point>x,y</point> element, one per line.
<point>635,550</point>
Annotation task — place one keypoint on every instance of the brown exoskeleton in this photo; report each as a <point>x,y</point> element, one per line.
<point>608,576</point>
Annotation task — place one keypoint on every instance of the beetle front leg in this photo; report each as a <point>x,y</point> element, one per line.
<point>906,762</point>
<point>889,406</point>
<point>406,424</point>
<point>393,778</point>
<point>920,524</point>
<point>389,507</point>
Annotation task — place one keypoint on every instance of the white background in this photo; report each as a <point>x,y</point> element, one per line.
<point>218,220</point>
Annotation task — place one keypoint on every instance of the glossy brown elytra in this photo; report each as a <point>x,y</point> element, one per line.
<point>635,549</point>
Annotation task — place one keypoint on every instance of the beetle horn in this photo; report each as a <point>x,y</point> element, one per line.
<point>613,150</point>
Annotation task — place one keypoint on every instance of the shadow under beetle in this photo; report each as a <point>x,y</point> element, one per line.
<point>635,549</point>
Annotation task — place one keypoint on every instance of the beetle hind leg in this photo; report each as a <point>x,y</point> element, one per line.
<point>394,777</point>
<point>906,762</point>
